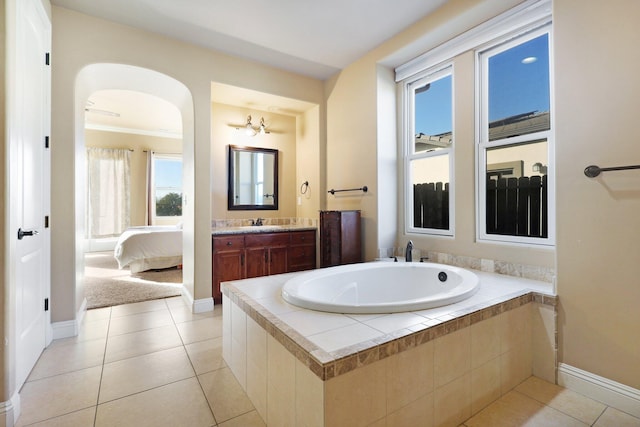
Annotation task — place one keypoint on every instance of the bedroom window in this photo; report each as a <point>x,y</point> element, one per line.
<point>166,187</point>
<point>429,153</point>
<point>515,145</point>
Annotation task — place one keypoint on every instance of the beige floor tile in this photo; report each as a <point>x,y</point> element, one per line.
<point>177,404</point>
<point>201,329</point>
<point>59,395</point>
<point>182,313</point>
<point>138,307</point>
<point>175,302</point>
<point>226,397</point>
<point>613,417</point>
<point>515,409</point>
<point>206,356</point>
<point>143,342</point>
<point>97,314</point>
<point>141,373</point>
<point>82,418</point>
<point>562,399</point>
<point>250,419</point>
<point>139,322</point>
<point>69,357</point>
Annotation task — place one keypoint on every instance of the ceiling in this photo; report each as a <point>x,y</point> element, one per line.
<point>309,37</point>
<point>312,38</point>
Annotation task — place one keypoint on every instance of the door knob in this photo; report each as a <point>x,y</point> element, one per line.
<point>22,233</point>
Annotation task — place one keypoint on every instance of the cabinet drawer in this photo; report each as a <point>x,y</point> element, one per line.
<point>222,243</point>
<point>266,239</point>
<point>303,237</point>
<point>302,255</point>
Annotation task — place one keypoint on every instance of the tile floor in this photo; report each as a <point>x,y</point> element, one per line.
<point>156,364</point>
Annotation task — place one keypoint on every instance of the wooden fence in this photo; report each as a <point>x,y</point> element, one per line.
<point>431,205</point>
<point>515,206</point>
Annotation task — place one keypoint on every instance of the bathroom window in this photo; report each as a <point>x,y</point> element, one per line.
<point>429,153</point>
<point>515,141</point>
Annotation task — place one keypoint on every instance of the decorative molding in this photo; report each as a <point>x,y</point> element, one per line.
<point>612,393</point>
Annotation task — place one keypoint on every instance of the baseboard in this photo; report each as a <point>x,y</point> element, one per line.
<point>202,305</point>
<point>10,411</point>
<point>617,395</point>
<point>69,328</point>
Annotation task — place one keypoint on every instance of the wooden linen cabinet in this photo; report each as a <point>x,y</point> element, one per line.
<point>340,238</point>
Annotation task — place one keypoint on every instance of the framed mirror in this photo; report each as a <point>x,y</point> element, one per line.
<point>253,179</point>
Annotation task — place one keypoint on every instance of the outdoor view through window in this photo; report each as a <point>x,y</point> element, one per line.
<point>167,185</point>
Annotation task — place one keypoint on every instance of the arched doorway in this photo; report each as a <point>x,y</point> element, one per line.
<point>96,77</point>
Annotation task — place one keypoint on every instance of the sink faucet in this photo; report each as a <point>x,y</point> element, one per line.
<point>257,222</point>
<point>407,252</point>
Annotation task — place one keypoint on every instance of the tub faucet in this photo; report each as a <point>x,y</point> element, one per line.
<point>407,252</point>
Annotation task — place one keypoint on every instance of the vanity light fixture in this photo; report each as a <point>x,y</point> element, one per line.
<point>249,130</point>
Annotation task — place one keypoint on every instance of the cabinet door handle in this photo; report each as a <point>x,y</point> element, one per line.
<point>229,243</point>
<point>241,259</point>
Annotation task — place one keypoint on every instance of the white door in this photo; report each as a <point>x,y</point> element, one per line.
<point>29,123</point>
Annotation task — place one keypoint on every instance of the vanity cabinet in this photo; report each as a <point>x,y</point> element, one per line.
<point>241,256</point>
<point>340,238</point>
<point>266,254</point>
<point>301,253</point>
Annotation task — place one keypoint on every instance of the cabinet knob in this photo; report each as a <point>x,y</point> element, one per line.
<point>229,243</point>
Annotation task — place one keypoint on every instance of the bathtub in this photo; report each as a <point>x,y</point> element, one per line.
<point>380,287</point>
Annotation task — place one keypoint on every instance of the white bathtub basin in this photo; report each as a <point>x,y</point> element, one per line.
<point>380,287</point>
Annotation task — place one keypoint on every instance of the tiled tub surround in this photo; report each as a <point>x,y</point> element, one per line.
<point>431,367</point>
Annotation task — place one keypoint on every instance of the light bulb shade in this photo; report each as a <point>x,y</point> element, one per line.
<point>249,130</point>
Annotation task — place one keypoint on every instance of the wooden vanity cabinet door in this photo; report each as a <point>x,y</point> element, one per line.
<point>228,262</point>
<point>266,253</point>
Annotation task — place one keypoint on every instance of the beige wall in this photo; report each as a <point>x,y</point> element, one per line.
<point>597,64</point>
<point>79,40</point>
<point>309,164</point>
<point>140,144</point>
<point>282,138</point>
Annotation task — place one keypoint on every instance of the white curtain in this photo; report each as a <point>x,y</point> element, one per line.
<point>108,199</point>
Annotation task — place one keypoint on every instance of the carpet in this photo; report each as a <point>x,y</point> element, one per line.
<point>105,285</point>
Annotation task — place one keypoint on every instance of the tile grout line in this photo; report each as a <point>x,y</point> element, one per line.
<point>104,356</point>
<point>197,377</point>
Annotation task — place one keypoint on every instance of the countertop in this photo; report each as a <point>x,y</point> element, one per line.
<point>260,229</point>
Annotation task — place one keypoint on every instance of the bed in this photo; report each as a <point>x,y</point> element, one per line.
<point>149,248</point>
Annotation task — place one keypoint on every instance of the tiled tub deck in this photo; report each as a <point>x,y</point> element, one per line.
<point>430,367</point>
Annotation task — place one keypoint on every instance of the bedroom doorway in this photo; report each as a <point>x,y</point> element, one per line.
<point>133,143</point>
<point>125,120</point>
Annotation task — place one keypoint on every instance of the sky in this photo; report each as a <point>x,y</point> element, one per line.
<point>168,173</point>
<point>516,87</point>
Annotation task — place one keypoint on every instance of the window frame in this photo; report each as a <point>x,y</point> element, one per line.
<point>152,185</point>
<point>483,144</point>
<point>409,154</point>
